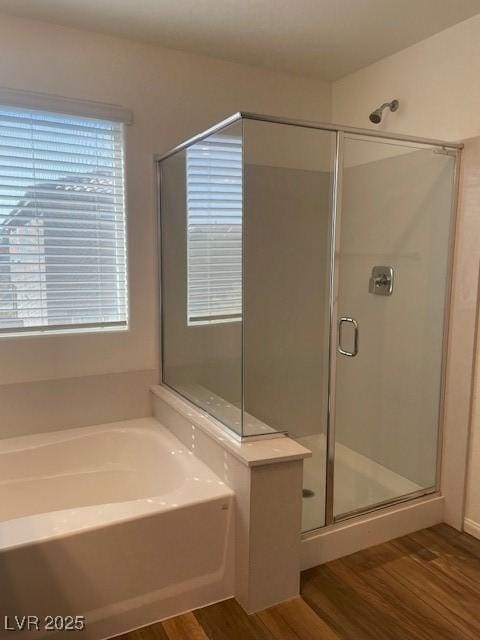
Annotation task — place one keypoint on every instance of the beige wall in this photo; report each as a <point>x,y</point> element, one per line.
<point>173,95</point>
<point>437,84</point>
<point>435,80</point>
<point>472,512</point>
<point>468,257</point>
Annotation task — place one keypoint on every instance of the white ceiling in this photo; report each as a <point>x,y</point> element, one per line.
<point>325,38</point>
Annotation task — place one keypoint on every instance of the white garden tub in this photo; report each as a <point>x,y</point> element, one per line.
<point>118,523</point>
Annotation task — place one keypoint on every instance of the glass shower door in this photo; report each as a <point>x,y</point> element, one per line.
<point>391,281</point>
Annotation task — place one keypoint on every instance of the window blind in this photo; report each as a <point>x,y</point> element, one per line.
<point>62,222</point>
<point>214,229</point>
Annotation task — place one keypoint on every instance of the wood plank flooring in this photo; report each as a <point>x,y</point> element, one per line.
<point>424,586</point>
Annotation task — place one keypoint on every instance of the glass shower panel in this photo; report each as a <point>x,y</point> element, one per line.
<point>287,189</point>
<point>393,238</point>
<point>201,232</point>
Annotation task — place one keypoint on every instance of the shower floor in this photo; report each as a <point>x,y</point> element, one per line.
<point>360,482</point>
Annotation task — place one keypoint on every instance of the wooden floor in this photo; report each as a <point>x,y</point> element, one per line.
<point>425,585</point>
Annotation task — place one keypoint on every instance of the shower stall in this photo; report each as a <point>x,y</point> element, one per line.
<point>305,274</point>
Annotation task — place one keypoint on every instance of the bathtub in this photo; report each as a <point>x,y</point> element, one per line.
<point>115,525</point>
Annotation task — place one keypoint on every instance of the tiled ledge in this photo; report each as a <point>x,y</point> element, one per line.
<point>267,450</point>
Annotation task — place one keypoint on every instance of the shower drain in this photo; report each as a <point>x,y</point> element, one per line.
<point>308,493</point>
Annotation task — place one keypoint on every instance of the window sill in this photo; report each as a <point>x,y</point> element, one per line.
<point>45,333</point>
<point>204,322</point>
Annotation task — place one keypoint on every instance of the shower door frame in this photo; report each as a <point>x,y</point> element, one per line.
<point>450,148</point>
<point>336,213</point>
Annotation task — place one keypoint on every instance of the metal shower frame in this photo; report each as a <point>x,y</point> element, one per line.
<point>440,146</point>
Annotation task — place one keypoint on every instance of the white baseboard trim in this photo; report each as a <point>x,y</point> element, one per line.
<point>471,527</point>
<point>360,533</point>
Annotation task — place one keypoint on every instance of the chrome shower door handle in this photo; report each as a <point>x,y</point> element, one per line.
<point>341,322</point>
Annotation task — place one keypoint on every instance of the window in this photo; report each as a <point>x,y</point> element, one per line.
<point>62,222</point>
<point>214,229</point>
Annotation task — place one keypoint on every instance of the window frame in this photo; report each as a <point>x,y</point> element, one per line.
<point>24,101</point>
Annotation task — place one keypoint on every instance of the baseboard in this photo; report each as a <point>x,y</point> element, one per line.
<point>471,527</point>
<point>353,535</point>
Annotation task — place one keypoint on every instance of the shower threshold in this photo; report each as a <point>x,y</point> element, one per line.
<point>360,483</point>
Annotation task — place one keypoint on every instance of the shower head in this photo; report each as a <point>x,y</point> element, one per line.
<point>376,116</point>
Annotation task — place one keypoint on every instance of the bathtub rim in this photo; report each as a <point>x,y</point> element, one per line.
<point>40,527</point>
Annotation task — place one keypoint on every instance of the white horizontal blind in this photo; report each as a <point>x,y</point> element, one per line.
<point>214,229</point>
<point>62,222</point>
